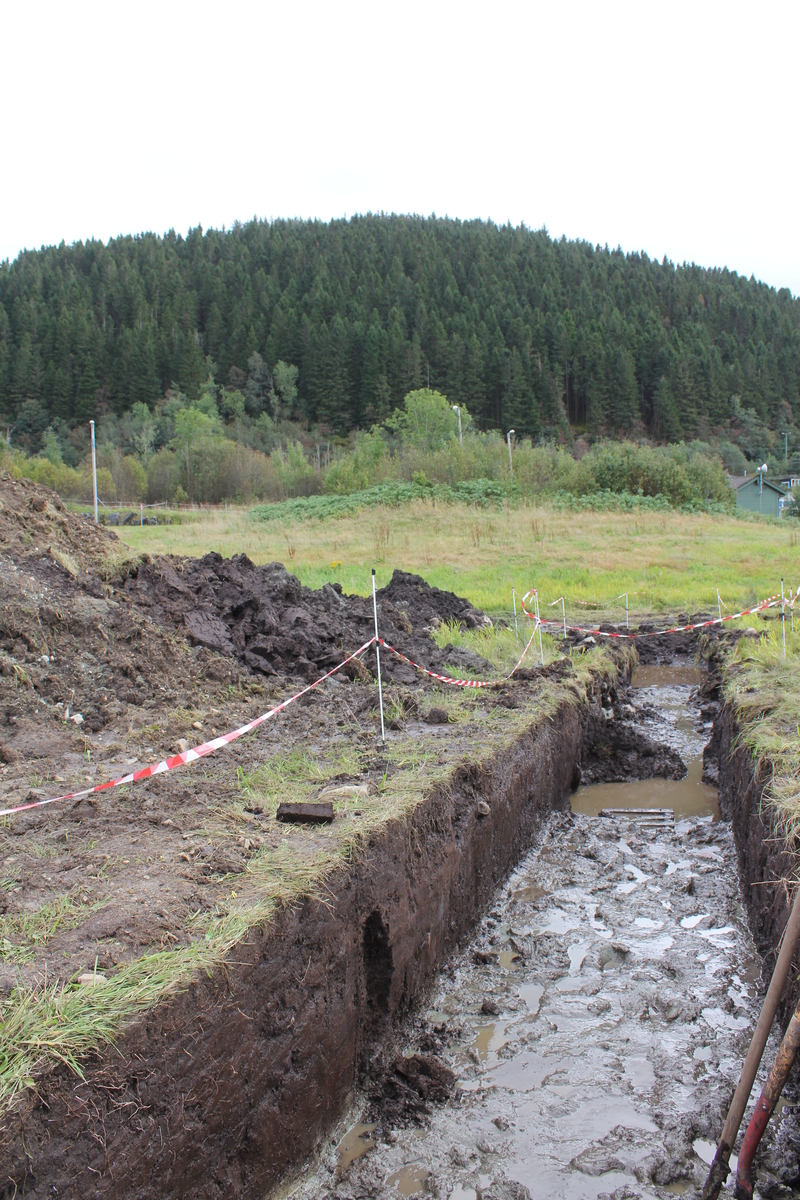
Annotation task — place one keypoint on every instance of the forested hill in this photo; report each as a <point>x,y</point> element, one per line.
<point>514,325</point>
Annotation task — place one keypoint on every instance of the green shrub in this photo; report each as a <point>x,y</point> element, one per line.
<point>481,493</point>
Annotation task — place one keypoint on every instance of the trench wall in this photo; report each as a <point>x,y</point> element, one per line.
<point>764,861</point>
<point>233,1083</point>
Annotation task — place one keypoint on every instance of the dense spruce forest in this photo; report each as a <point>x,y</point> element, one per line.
<point>523,330</point>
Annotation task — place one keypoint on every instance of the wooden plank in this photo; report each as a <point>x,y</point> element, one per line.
<point>639,814</point>
<point>298,813</point>
<point>650,812</point>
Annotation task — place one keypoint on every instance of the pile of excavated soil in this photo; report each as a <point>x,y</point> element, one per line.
<point>262,616</point>
<point>427,605</point>
<point>35,523</point>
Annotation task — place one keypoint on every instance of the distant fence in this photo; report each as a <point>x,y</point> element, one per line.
<point>196,506</point>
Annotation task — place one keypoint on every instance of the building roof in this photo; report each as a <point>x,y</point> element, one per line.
<point>739,481</point>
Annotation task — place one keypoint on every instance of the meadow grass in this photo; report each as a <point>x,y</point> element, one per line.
<point>502,644</point>
<point>666,561</point>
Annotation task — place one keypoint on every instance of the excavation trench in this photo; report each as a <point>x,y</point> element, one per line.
<point>236,1081</point>
<point>460,1015</point>
<point>596,1020</point>
<point>249,1052</point>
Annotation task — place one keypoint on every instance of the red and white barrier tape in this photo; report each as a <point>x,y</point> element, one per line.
<point>188,756</point>
<point>770,602</point>
<point>206,748</point>
<point>467,683</point>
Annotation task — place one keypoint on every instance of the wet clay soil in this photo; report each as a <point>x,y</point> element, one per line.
<point>598,1020</point>
<point>622,981</point>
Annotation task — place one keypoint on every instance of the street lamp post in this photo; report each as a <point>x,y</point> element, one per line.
<point>509,436</point>
<point>761,471</point>
<point>457,409</point>
<point>94,472</point>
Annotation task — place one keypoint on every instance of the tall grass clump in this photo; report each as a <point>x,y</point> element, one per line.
<point>763,688</point>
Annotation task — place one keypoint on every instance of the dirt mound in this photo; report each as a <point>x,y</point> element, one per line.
<point>68,650</point>
<point>263,616</point>
<point>34,522</point>
<point>408,1089</point>
<point>428,605</point>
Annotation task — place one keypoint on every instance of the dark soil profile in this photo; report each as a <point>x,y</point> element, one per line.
<point>108,662</point>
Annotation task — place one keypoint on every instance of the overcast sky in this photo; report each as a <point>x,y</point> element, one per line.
<point>670,128</point>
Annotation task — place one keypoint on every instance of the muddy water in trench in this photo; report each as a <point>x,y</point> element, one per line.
<point>625,984</point>
<point>666,689</point>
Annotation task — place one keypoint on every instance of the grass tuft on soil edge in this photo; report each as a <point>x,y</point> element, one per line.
<point>763,688</point>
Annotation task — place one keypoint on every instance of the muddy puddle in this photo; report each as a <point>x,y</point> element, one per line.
<point>667,691</point>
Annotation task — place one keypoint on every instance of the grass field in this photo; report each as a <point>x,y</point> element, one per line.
<point>666,561</point>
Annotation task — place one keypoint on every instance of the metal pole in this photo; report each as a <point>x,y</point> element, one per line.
<point>94,475</point>
<point>765,1107</point>
<point>538,625</point>
<point>141,514</point>
<point>564,615</point>
<point>783,619</point>
<point>514,599</point>
<point>510,464</point>
<point>378,653</point>
<point>457,409</point>
<point>619,597</point>
<point>719,1168</point>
